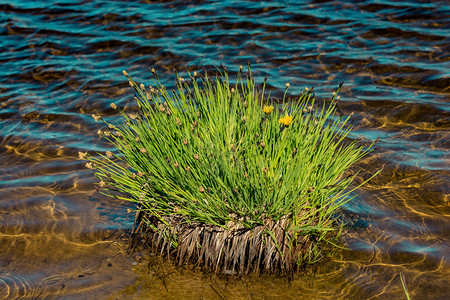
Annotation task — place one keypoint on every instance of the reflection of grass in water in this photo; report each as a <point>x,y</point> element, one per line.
<point>223,177</point>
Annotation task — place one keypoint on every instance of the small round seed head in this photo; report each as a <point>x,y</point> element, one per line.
<point>246,175</point>
<point>244,119</point>
<point>130,83</point>
<point>306,89</point>
<point>201,189</point>
<point>132,116</point>
<point>125,73</point>
<point>287,85</point>
<point>245,104</point>
<point>140,174</point>
<point>109,154</point>
<point>137,139</point>
<point>118,133</point>
<point>334,94</point>
<point>133,175</point>
<point>111,126</point>
<point>352,114</point>
<point>168,111</point>
<point>143,150</point>
<point>113,106</point>
<point>232,90</point>
<point>264,169</point>
<point>240,68</point>
<point>89,165</point>
<point>96,117</point>
<point>106,133</point>
<point>153,71</point>
<point>262,144</point>
<point>82,155</point>
<point>179,122</point>
<point>295,151</point>
<point>339,97</point>
<point>175,164</point>
<point>305,110</point>
<point>195,123</point>
<point>185,141</point>
<point>102,183</point>
<point>316,122</point>
<point>99,132</point>
<point>181,79</point>
<point>142,86</point>
<point>198,114</point>
<point>195,74</point>
<point>187,169</point>
<point>196,156</point>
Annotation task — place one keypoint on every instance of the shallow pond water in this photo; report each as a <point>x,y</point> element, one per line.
<point>63,60</point>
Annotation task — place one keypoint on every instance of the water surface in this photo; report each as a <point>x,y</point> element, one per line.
<point>61,61</point>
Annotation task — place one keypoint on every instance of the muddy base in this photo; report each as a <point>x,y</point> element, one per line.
<point>237,251</point>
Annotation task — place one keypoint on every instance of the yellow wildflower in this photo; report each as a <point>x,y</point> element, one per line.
<point>286,120</point>
<point>267,109</point>
<point>109,154</point>
<point>82,155</point>
<point>102,184</point>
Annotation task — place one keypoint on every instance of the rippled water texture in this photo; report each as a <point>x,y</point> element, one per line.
<point>62,60</point>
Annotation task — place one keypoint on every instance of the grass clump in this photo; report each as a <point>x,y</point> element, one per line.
<point>228,179</point>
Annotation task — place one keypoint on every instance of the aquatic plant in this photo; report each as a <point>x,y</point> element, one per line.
<point>228,179</point>
<point>405,287</point>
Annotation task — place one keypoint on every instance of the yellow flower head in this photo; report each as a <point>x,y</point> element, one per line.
<point>267,109</point>
<point>286,120</point>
